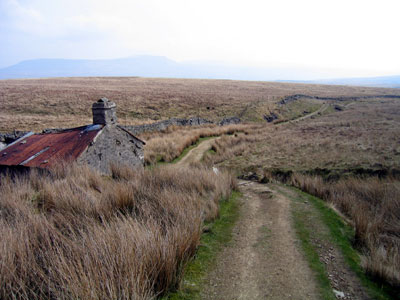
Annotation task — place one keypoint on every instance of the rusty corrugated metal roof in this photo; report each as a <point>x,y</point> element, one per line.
<point>45,150</point>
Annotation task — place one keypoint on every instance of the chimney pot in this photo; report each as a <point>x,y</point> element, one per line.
<point>104,112</point>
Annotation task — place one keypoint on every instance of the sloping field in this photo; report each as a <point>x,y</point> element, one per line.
<point>364,135</point>
<point>65,102</point>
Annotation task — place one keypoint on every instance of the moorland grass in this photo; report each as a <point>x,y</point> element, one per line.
<point>74,234</point>
<point>36,104</point>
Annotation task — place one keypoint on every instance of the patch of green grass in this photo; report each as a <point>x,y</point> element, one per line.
<point>218,235</point>
<point>329,110</point>
<point>342,235</point>
<point>296,109</point>
<point>135,115</point>
<point>263,240</point>
<point>211,151</point>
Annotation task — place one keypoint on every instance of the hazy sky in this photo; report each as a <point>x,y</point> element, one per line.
<point>345,37</point>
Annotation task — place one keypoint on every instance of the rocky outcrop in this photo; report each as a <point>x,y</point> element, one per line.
<point>229,121</point>
<point>338,107</point>
<point>271,117</point>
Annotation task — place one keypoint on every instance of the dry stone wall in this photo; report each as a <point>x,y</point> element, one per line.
<point>162,125</point>
<point>296,97</point>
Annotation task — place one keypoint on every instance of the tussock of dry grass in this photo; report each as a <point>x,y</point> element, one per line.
<point>373,206</point>
<point>77,235</point>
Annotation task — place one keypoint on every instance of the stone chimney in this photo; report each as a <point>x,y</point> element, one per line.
<point>104,112</point>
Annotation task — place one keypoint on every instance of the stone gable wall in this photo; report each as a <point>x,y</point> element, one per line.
<point>113,145</point>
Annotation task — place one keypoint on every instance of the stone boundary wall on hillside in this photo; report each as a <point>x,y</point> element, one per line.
<point>162,125</point>
<point>295,97</point>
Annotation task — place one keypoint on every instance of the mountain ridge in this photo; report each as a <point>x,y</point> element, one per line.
<point>161,66</point>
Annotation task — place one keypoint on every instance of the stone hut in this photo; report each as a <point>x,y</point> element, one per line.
<point>99,144</point>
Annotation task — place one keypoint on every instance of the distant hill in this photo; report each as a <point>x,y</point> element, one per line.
<point>146,66</point>
<point>159,66</point>
<point>383,81</point>
<point>150,66</point>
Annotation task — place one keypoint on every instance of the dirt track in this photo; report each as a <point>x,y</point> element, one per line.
<point>263,260</point>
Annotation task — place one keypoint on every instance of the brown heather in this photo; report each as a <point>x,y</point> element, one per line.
<point>75,234</point>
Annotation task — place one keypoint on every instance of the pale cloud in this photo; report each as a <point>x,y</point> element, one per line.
<point>358,37</point>
<point>14,14</point>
